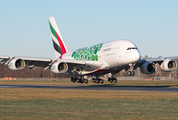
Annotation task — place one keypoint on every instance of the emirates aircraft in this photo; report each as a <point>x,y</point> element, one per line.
<point>110,57</point>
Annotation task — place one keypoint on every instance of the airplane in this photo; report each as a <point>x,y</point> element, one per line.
<point>110,57</point>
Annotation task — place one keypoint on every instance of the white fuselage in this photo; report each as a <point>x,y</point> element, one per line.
<point>112,54</point>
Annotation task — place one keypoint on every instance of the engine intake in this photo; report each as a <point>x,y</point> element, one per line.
<point>148,68</point>
<point>168,65</point>
<point>59,67</point>
<point>16,64</point>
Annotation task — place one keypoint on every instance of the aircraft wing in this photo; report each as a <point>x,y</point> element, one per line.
<point>154,60</point>
<point>160,60</point>
<point>40,62</point>
<point>47,63</point>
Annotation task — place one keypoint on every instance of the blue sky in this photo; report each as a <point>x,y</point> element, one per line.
<point>151,24</point>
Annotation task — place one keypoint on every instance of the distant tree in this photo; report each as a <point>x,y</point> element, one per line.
<point>159,56</point>
<point>146,57</point>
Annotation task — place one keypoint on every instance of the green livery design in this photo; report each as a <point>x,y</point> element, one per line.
<point>87,53</point>
<point>10,65</point>
<point>53,67</point>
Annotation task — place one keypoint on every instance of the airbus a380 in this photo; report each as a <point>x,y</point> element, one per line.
<point>110,57</point>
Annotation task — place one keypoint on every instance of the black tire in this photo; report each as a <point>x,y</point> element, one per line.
<point>102,81</point>
<point>81,81</point>
<point>130,73</point>
<point>97,81</point>
<point>115,81</point>
<point>73,79</point>
<point>86,81</point>
<point>109,79</point>
<point>112,81</point>
<point>133,73</point>
<point>93,80</point>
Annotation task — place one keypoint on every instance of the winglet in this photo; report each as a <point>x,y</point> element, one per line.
<point>58,43</point>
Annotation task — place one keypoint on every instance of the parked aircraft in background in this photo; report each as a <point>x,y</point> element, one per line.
<point>110,57</point>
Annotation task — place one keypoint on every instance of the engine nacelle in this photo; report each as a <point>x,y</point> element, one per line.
<point>16,64</point>
<point>168,65</point>
<point>148,68</point>
<point>59,67</point>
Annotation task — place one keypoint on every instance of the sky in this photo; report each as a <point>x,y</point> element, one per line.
<point>151,24</point>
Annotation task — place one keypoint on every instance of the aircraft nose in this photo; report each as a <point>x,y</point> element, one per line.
<point>136,56</point>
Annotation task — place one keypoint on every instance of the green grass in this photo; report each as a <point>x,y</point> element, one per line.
<point>30,103</point>
<point>89,109</point>
<point>27,103</point>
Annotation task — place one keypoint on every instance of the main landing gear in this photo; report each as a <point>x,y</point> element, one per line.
<point>112,79</point>
<point>97,80</point>
<point>81,80</point>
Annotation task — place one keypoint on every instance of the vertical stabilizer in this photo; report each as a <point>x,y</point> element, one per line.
<point>58,43</point>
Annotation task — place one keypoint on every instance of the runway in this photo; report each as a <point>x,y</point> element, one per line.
<point>99,87</point>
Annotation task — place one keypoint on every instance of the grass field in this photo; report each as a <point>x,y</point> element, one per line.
<point>30,103</point>
<point>18,103</point>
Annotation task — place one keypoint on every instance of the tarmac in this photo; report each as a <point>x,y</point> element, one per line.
<point>99,87</point>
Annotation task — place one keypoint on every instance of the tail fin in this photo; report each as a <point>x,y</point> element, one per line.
<point>58,43</point>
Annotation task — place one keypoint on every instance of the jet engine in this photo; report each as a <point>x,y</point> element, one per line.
<point>168,65</point>
<point>16,64</point>
<point>59,67</point>
<point>148,68</point>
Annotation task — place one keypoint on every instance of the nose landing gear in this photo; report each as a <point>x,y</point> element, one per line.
<point>131,72</point>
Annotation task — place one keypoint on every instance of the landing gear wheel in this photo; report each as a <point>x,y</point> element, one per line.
<point>115,81</point>
<point>73,79</point>
<point>112,79</point>
<point>109,79</point>
<point>102,81</point>
<point>97,81</point>
<point>86,81</point>
<point>131,73</point>
<point>81,81</point>
<point>93,80</point>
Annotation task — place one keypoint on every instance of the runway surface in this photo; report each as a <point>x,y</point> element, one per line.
<point>99,87</point>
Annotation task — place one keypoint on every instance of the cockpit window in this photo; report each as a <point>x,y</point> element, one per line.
<point>131,48</point>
